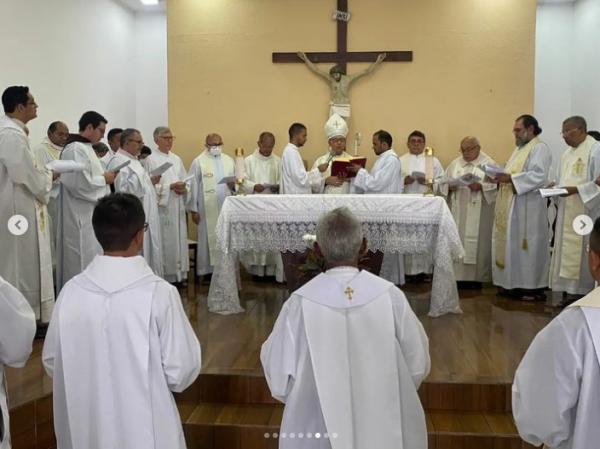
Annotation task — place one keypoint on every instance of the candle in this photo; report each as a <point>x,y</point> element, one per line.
<point>429,164</point>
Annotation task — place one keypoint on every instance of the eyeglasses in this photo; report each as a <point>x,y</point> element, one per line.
<point>167,137</point>
<point>139,142</point>
<point>567,131</point>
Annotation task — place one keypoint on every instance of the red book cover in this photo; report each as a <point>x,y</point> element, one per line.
<point>338,167</point>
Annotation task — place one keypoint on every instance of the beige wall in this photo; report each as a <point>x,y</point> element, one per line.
<point>472,72</point>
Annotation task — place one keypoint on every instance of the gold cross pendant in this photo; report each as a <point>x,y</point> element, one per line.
<point>349,292</point>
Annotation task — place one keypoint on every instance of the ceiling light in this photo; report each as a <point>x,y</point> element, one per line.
<point>149,2</point>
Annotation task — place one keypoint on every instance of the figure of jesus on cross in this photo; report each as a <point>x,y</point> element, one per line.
<point>339,83</point>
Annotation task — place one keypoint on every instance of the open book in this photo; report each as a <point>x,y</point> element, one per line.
<point>464,180</point>
<point>65,166</point>
<point>339,166</point>
<point>158,171</point>
<point>492,170</point>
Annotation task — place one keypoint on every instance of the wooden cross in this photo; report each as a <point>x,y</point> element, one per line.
<point>349,293</point>
<point>342,56</point>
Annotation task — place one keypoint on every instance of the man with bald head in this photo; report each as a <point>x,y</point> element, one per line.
<point>471,201</point>
<point>208,169</point>
<point>47,151</point>
<point>579,168</point>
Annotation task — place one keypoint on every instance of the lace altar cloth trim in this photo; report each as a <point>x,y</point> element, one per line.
<point>392,223</point>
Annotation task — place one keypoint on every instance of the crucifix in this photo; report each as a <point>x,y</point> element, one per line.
<point>337,77</point>
<point>348,292</point>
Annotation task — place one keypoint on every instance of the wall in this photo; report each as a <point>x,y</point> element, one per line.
<point>554,75</point>
<point>79,55</point>
<point>150,75</point>
<point>472,71</point>
<point>586,61</point>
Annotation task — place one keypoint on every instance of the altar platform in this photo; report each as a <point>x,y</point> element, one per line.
<point>467,395</point>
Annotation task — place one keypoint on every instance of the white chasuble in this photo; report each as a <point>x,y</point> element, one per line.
<point>118,345</point>
<point>76,244</point>
<point>294,177</point>
<point>208,198</point>
<point>556,390</point>
<point>171,212</point>
<point>26,261</point>
<point>266,171</point>
<point>473,212</point>
<point>569,268</point>
<point>359,387</point>
<point>328,159</point>
<point>17,329</point>
<point>520,248</point>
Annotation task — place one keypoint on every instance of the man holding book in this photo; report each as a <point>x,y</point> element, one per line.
<point>336,130</point>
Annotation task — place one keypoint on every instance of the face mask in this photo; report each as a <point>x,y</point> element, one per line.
<point>215,150</point>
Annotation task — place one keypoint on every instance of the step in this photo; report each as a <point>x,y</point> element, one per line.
<point>254,426</point>
<point>234,388</point>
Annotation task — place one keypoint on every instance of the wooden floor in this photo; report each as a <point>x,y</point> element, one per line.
<point>474,357</point>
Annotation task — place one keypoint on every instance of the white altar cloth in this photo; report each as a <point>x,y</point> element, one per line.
<point>402,224</point>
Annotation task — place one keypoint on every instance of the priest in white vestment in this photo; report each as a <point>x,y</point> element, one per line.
<point>135,180</point>
<point>578,168</point>
<point>472,207</point>
<point>385,177</point>
<point>47,151</point>
<point>76,244</point>
<point>347,354</point>
<point>336,130</point>
<point>208,169</point>
<point>114,143</point>
<point>294,177</point>
<point>556,390</point>
<point>173,197</point>
<point>26,260</point>
<point>262,177</point>
<point>119,343</point>
<point>17,328</point>
<point>415,162</point>
<point>520,248</point>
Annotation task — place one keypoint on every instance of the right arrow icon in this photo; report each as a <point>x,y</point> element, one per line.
<point>583,224</point>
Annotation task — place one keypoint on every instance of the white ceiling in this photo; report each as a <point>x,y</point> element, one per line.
<point>137,6</point>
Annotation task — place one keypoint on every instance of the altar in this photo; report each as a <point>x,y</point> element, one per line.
<point>402,224</point>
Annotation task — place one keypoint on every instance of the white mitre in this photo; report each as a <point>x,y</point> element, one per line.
<point>336,126</point>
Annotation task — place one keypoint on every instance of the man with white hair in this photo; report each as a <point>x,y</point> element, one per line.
<point>336,130</point>
<point>263,176</point>
<point>173,196</point>
<point>472,207</point>
<point>347,354</point>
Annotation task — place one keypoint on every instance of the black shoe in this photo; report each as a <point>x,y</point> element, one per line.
<point>469,285</point>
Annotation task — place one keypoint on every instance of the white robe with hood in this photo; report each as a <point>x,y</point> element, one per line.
<point>118,344</point>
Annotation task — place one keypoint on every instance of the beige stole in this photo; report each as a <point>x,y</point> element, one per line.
<point>44,247</point>
<point>574,171</point>
<point>211,201</point>
<point>504,201</point>
<point>464,197</point>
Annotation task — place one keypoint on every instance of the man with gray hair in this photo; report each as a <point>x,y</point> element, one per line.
<point>172,193</point>
<point>472,201</point>
<point>579,168</point>
<point>347,353</point>
<point>134,179</point>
